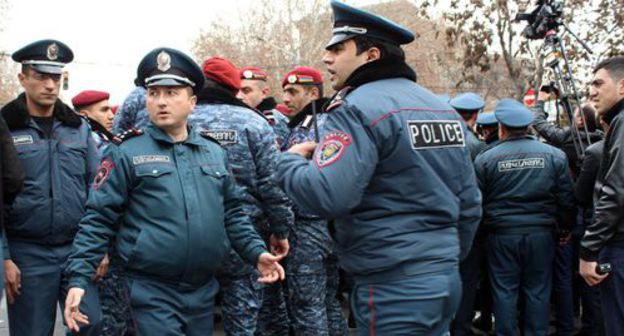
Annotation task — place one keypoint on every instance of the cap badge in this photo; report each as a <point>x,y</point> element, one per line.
<point>164,61</point>
<point>248,74</point>
<point>52,52</point>
<point>292,79</point>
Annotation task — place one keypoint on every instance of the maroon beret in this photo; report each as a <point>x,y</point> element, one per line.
<point>89,97</point>
<point>253,73</point>
<point>303,75</point>
<point>223,72</point>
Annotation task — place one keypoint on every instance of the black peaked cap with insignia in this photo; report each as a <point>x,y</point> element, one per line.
<point>169,67</point>
<point>46,56</point>
<point>350,22</point>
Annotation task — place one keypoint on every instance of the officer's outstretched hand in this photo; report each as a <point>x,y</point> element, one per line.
<point>72,314</point>
<point>305,149</point>
<point>588,272</point>
<point>12,280</point>
<point>279,247</point>
<point>270,268</point>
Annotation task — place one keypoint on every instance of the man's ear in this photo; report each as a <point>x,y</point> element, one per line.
<point>83,113</point>
<point>21,77</point>
<point>621,87</point>
<point>373,54</point>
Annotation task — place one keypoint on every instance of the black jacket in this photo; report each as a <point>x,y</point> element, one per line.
<point>11,173</point>
<point>586,179</point>
<point>562,137</point>
<point>608,224</point>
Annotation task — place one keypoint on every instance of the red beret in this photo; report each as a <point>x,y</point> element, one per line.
<point>303,75</point>
<point>89,97</point>
<point>253,73</point>
<point>223,72</point>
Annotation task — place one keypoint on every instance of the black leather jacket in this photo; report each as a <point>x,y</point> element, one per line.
<point>608,224</point>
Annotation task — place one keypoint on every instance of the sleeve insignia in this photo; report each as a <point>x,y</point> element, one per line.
<point>331,148</point>
<point>103,172</point>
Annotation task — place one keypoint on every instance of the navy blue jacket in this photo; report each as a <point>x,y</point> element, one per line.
<point>526,185</point>
<point>394,171</point>
<point>58,174</point>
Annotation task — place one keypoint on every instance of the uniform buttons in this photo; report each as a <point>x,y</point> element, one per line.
<point>154,171</point>
<point>218,174</point>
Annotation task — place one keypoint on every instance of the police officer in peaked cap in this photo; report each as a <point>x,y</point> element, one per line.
<point>168,199</point>
<point>393,169</point>
<point>468,106</point>
<point>527,195</point>
<point>59,157</point>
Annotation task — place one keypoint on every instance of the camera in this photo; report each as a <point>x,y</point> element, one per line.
<point>544,18</point>
<point>603,268</point>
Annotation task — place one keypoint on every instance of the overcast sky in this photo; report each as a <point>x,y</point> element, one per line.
<point>109,38</point>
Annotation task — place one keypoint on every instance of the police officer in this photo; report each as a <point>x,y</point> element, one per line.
<point>603,239</point>
<point>251,149</point>
<point>313,272</point>
<point>393,169</point>
<point>468,106</point>
<point>94,106</point>
<point>254,91</point>
<point>487,127</point>
<point>133,112</point>
<point>168,198</point>
<point>59,156</point>
<point>527,192</point>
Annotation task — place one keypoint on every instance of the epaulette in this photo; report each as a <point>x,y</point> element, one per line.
<point>268,114</point>
<point>125,135</point>
<point>206,135</point>
<point>337,99</point>
<point>260,114</point>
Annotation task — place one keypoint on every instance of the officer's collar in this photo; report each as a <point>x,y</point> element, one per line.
<point>519,137</point>
<point>390,67</point>
<point>308,110</point>
<point>161,136</point>
<point>16,114</point>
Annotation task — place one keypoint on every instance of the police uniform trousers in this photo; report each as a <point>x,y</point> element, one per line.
<point>43,286</point>
<point>612,288</point>
<point>336,322</point>
<point>521,264</point>
<point>167,309</point>
<point>307,277</point>
<point>273,317</point>
<point>473,271</point>
<point>243,295</point>
<point>406,302</point>
<point>115,299</point>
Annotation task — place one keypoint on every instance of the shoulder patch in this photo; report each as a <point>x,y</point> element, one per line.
<point>337,99</point>
<point>103,172</point>
<point>208,136</point>
<point>331,148</point>
<point>125,135</point>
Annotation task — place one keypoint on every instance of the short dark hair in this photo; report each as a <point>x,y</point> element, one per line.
<point>614,66</point>
<point>319,87</point>
<point>363,43</point>
<point>26,69</point>
<point>589,114</point>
